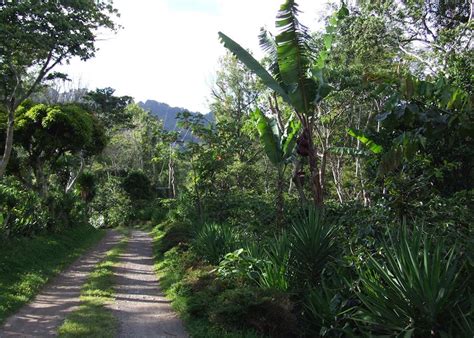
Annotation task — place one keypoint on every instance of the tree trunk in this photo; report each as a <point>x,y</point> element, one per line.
<point>73,179</point>
<point>8,141</point>
<point>171,179</point>
<point>41,182</point>
<point>298,183</point>
<point>315,181</point>
<point>197,192</point>
<point>336,174</point>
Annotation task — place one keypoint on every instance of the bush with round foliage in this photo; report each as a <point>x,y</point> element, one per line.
<point>137,185</point>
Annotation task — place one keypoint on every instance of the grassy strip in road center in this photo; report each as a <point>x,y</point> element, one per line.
<point>92,319</point>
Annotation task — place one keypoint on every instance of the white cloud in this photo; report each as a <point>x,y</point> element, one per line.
<point>168,49</point>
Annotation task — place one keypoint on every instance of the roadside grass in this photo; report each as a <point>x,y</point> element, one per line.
<point>92,319</point>
<point>26,264</point>
<point>172,276</point>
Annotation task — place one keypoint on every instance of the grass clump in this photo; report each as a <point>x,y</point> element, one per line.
<point>92,319</point>
<point>26,264</point>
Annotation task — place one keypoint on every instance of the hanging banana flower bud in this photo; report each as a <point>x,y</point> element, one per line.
<point>302,147</point>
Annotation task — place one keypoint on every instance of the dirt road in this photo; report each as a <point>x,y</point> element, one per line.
<point>47,311</point>
<point>140,307</point>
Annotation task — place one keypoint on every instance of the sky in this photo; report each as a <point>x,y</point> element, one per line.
<point>168,50</point>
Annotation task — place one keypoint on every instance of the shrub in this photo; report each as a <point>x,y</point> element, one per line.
<point>239,266</point>
<point>328,308</point>
<point>414,288</point>
<point>175,233</point>
<point>22,212</point>
<point>112,203</point>
<point>274,272</point>
<point>137,185</point>
<point>65,210</point>
<point>213,241</point>
<point>265,311</point>
<point>312,244</point>
<point>86,183</point>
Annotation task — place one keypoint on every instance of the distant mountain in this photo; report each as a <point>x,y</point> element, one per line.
<point>169,114</point>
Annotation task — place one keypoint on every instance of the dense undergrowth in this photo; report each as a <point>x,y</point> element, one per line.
<point>326,273</point>
<point>181,281</point>
<point>28,263</point>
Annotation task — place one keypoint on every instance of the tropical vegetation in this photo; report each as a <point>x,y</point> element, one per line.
<point>330,195</point>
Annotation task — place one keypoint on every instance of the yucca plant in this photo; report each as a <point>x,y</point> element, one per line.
<point>274,270</point>
<point>464,321</point>
<point>412,289</point>
<point>327,309</point>
<point>213,241</point>
<point>312,244</point>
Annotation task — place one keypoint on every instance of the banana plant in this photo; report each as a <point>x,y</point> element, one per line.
<point>297,72</point>
<point>278,145</point>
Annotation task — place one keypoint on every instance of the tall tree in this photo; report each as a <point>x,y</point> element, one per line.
<point>297,76</point>
<point>50,134</point>
<point>110,109</point>
<point>36,37</point>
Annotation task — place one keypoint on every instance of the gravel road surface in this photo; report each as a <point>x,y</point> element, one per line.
<point>141,308</point>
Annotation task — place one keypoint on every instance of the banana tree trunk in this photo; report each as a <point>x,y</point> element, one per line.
<point>297,179</point>
<point>315,180</point>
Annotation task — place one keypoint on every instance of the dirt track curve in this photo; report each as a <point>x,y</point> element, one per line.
<point>140,307</point>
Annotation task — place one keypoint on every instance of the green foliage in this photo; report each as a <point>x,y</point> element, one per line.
<point>87,185</point>
<point>247,59</point>
<point>42,35</point>
<point>239,266</point>
<point>373,147</point>
<point>390,140</point>
<point>111,204</point>
<point>137,185</point>
<point>111,110</point>
<point>28,263</point>
<point>265,311</point>
<point>19,209</point>
<point>312,245</point>
<point>213,241</point>
<point>65,210</point>
<point>213,307</point>
<point>58,129</point>
<point>275,269</point>
<point>278,144</point>
<point>295,59</point>
<point>415,289</point>
<point>328,311</point>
